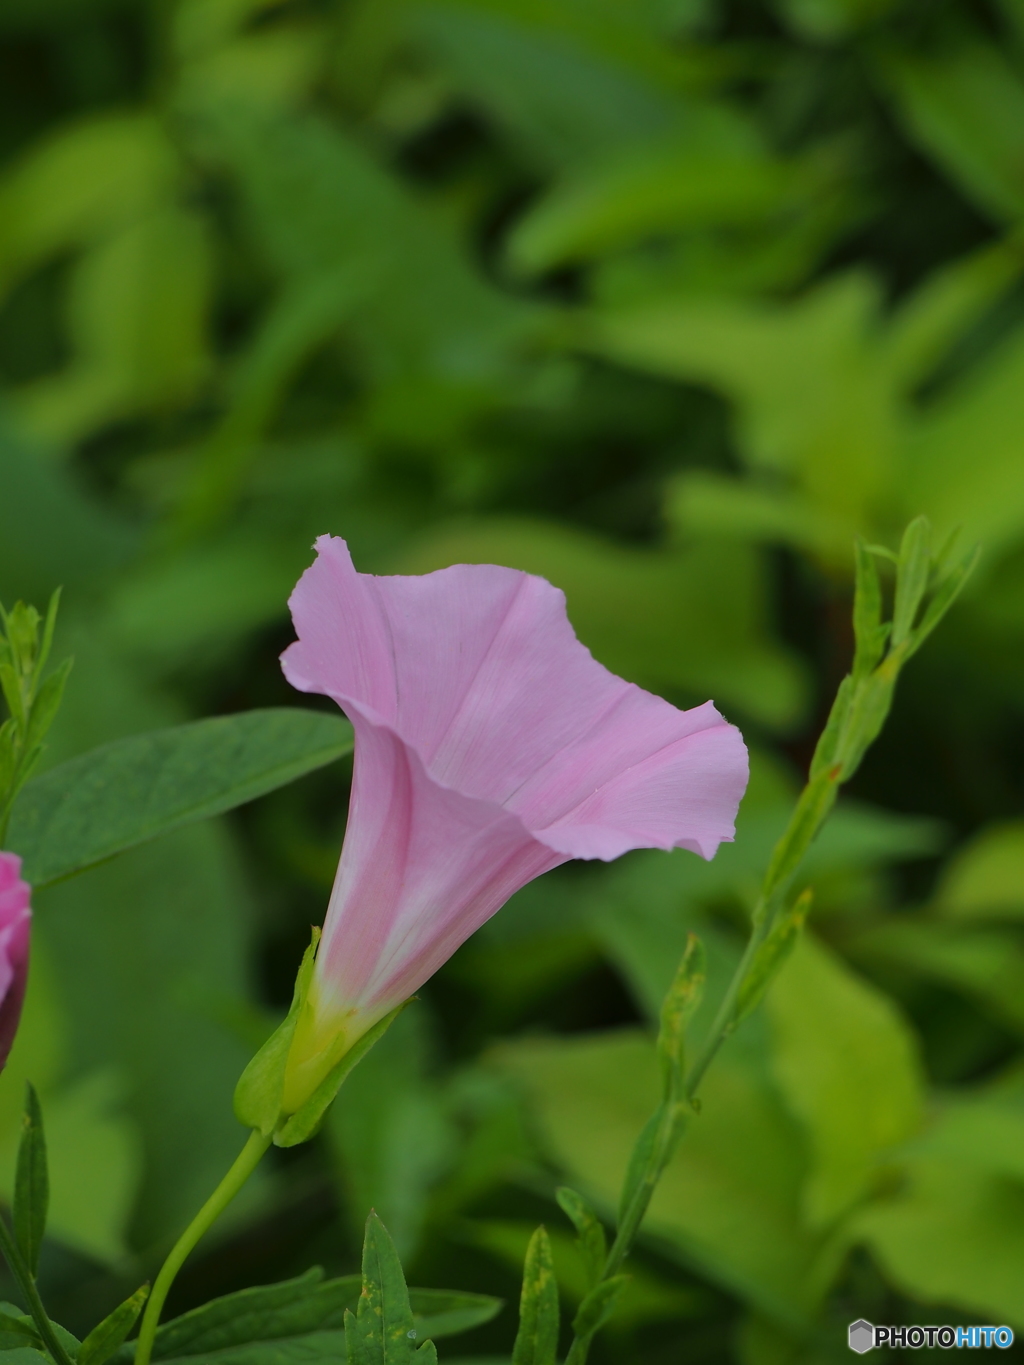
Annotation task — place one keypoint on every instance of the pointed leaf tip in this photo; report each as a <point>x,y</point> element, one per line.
<point>537,1339</point>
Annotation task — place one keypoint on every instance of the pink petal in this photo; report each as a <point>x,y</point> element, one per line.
<point>422,867</point>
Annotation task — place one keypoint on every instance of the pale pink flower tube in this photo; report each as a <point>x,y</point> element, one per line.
<point>490,747</point>
<point>15,923</point>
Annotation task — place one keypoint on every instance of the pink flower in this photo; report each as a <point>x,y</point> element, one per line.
<point>490,747</point>
<point>15,921</point>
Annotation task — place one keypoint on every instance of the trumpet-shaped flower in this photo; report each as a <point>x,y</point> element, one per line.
<point>490,748</point>
<point>15,920</point>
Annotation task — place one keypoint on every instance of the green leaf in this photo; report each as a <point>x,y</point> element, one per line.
<point>537,1339</point>
<point>911,578</point>
<point>291,1308</point>
<point>984,880</point>
<point>18,1325</point>
<point>130,791</point>
<point>381,1331</point>
<point>447,1312</point>
<point>107,1336</point>
<point>848,1067</point>
<point>771,955</point>
<point>592,1242</point>
<point>964,106</point>
<point>869,632</point>
<point>32,1184</point>
<point>25,1355</point>
<point>954,1234</point>
<point>598,1306</point>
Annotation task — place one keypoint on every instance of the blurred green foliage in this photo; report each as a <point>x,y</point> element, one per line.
<point>665,300</point>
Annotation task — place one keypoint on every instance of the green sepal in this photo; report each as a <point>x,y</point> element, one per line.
<point>107,1336</point>
<point>260,1087</point>
<point>537,1339</point>
<point>31,1184</point>
<point>591,1240</point>
<point>305,1122</point>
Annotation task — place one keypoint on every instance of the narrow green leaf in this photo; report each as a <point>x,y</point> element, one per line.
<point>643,1162</point>
<point>47,703</point>
<point>537,1338</point>
<point>592,1242</point>
<point>382,1330</point>
<point>107,1336</point>
<point>20,1326</point>
<point>771,955</point>
<point>31,1183</point>
<point>945,595</point>
<point>447,1312</point>
<point>598,1306</point>
<point>911,577</point>
<point>125,793</point>
<point>680,1002</point>
<point>828,741</point>
<point>869,632</point>
<point>43,652</point>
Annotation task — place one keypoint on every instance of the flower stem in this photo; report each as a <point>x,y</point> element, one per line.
<point>27,1285</point>
<point>245,1163</point>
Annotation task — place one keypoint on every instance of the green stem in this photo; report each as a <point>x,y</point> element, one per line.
<point>245,1163</point>
<point>27,1285</point>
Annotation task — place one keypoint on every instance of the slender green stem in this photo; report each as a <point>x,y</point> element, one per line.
<point>27,1285</point>
<point>245,1163</point>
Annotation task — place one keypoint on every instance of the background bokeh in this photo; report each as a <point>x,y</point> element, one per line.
<point>665,300</point>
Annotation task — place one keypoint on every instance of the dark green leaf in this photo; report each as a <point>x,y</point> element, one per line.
<point>19,1326</point>
<point>264,1313</point>
<point>312,1348</point>
<point>107,1336</point>
<point>125,793</point>
<point>598,1306</point>
<point>32,1183</point>
<point>537,1338</point>
<point>24,1355</point>
<point>381,1331</point>
<point>446,1312</point>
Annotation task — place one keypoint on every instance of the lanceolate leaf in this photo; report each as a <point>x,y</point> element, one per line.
<point>122,794</point>
<point>537,1338</point>
<point>32,1184</point>
<point>107,1336</point>
<point>382,1330</point>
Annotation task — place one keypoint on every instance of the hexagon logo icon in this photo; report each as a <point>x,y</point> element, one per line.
<point>862,1336</point>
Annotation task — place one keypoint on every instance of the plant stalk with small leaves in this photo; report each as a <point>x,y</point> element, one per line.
<point>32,699</point>
<point>926,586</point>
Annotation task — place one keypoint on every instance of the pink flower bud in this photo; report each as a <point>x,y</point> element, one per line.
<point>15,922</point>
